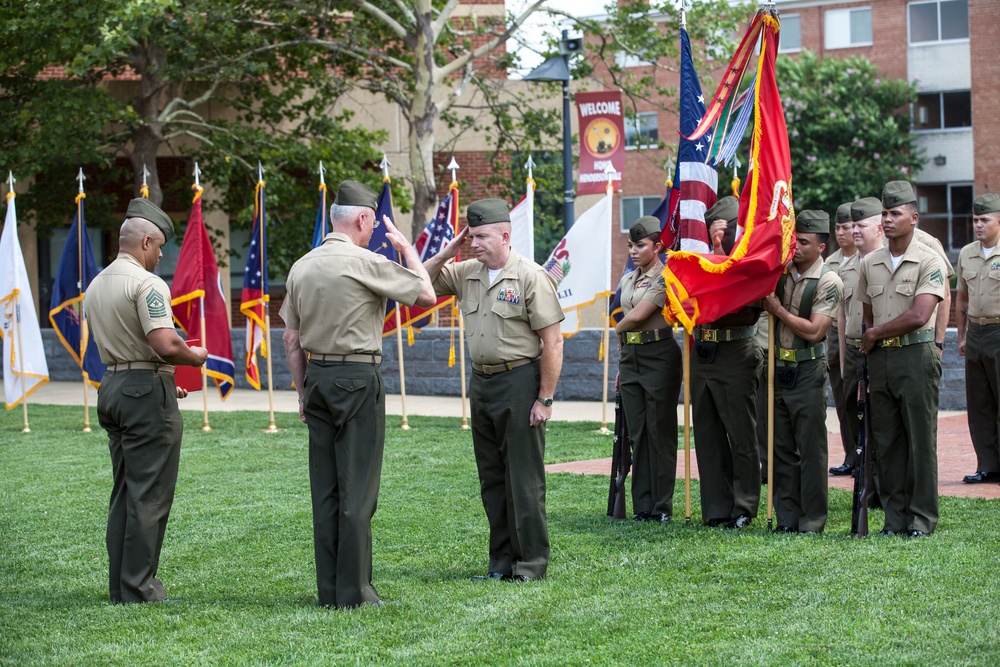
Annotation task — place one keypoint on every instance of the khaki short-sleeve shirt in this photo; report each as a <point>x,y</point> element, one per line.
<point>123,304</point>
<point>649,286</point>
<point>979,277</point>
<point>935,245</point>
<point>826,298</point>
<point>850,274</point>
<point>501,319</point>
<point>336,296</point>
<point>891,293</point>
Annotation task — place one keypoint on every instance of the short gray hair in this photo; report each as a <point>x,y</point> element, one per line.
<point>341,215</point>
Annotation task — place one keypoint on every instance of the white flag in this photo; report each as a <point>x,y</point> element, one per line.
<point>581,263</point>
<point>24,367</point>
<point>522,224</point>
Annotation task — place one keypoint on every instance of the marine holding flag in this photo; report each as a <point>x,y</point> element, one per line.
<point>130,314</point>
<point>334,312</point>
<point>649,375</point>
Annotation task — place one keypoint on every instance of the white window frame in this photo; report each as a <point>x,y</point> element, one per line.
<point>847,13</point>
<point>940,95</point>
<point>784,22</point>
<point>623,224</point>
<point>634,121</point>
<point>937,3</point>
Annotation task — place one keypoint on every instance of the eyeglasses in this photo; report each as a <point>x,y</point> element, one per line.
<point>375,222</point>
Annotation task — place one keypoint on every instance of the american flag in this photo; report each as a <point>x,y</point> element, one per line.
<point>255,292</point>
<point>438,232</point>
<point>695,180</point>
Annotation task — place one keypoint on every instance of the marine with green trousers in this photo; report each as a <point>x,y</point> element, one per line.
<point>512,318</point>
<point>900,288</point>
<point>333,311</point>
<point>804,304</point>
<point>128,309</point>
<point>846,251</point>
<point>724,375</point>
<point>978,310</point>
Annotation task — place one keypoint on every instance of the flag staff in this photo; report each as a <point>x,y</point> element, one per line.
<point>80,196</point>
<point>322,188</point>
<point>271,426</point>
<point>404,423</point>
<point>205,427</point>
<point>606,336</point>
<point>770,419</point>
<point>453,165</point>
<point>144,190</point>
<point>26,428</point>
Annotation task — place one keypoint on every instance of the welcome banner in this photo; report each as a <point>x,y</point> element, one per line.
<point>602,140</point>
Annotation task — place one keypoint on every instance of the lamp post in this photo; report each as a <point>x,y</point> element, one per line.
<point>557,69</point>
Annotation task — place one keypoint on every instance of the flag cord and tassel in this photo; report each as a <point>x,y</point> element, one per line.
<point>271,426</point>
<point>461,368</point>
<point>404,424</point>
<point>770,420</point>
<point>205,427</point>
<point>687,426</point>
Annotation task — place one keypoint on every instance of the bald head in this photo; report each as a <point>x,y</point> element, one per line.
<point>143,240</point>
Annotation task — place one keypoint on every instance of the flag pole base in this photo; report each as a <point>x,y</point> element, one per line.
<point>603,430</point>
<point>404,425</point>
<point>465,424</point>
<point>770,526</point>
<point>86,428</point>
<point>26,429</point>
<point>205,428</point>
<point>272,428</point>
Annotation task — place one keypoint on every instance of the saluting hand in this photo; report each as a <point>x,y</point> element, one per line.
<point>716,232</point>
<point>454,245</point>
<point>394,236</point>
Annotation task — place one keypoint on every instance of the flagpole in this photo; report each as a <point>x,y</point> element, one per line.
<point>687,426</point>
<point>205,427</point>
<point>453,165</point>
<point>20,350</point>
<point>79,290</point>
<point>770,419</point>
<point>606,336</point>
<point>266,298</point>
<point>404,423</point>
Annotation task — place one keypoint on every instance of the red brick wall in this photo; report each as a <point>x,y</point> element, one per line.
<point>984,26</point>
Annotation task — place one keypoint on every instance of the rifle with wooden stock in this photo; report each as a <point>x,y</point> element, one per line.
<point>864,486</point>
<point>621,462</point>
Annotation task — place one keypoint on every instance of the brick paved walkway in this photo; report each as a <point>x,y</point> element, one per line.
<point>955,460</point>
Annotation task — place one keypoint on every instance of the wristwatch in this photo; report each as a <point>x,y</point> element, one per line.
<point>547,402</point>
<point>940,345</point>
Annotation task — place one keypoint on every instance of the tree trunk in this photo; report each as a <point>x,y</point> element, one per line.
<point>422,113</point>
<point>147,137</point>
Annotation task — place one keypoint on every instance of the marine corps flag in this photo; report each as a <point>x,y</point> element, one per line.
<point>702,288</point>
<point>198,287</point>
<point>77,268</point>
<point>24,367</point>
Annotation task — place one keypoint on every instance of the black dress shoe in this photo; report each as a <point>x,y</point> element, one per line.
<point>518,578</point>
<point>488,576</point>
<point>843,469</point>
<point>982,477</point>
<point>885,532</point>
<point>784,529</point>
<point>739,523</point>
<point>916,533</point>
<point>641,516</point>
<point>662,518</point>
<point>718,521</point>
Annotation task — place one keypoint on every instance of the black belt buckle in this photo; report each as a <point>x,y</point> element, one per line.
<point>705,352</point>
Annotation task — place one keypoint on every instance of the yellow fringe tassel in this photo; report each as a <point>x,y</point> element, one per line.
<point>736,186</point>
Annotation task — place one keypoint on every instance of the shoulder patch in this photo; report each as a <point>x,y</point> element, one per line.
<point>936,278</point>
<point>156,305</point>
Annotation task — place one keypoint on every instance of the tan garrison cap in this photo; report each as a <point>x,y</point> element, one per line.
<point>988,203</point>
<point>487,212</point>
<point>865,208</point>
<point>147,210</point>
<point>644,227</point>
<point>897,193</point>
<point>727,208</point>
<point>352,193</point>
<point>812,222</point>
<point>844,212</point>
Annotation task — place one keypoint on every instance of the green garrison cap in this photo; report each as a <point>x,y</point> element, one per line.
<point>352,193</point>
<point>727,208</point>
<point>865,208</point>
<point>844,212</point>
<point>147,210</point>
<point>812,222</point>
<point>487,212</point>
<point>897,193</point>
<point>988,203</point>
<point>643,228</point>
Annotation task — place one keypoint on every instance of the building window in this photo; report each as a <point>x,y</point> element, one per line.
<point>791,34</point>
<point>938,21</point>
<point>642,131</point>
<point>946,213</point>
<point>623,60</point>
<point>634,208</point>
<point>936,111</point>
<point>848,27</point>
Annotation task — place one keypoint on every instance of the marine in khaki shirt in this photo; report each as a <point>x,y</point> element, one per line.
<point>978,313</point>
<point>900,287</point>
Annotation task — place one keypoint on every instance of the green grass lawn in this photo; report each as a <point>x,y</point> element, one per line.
<point>238,552</point>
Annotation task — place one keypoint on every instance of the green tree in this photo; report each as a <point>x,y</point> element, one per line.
<point>848,129</point>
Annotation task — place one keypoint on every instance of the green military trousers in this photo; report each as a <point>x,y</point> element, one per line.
<point>510,457</point>
<point>649,377</point>
<point>801,451</point>
<point>837,386</point>
<point>982,393</point>
<point>345,412</point>
<point>138,409</point>
<point>724,410</point>
<point>904,395</point>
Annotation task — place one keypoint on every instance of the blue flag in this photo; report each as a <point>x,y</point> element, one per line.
<point>319,229</point>
<point>380,244</point>
<point>77,269</point>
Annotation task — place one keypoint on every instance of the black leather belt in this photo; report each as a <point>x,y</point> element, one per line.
<point>367,358</point>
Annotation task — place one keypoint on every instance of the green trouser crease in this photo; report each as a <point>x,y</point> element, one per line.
<point>837,386</point>
<point>982,393</point>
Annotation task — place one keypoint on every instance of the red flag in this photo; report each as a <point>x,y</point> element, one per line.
<point>702,288</point>
<point>198,286</point>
